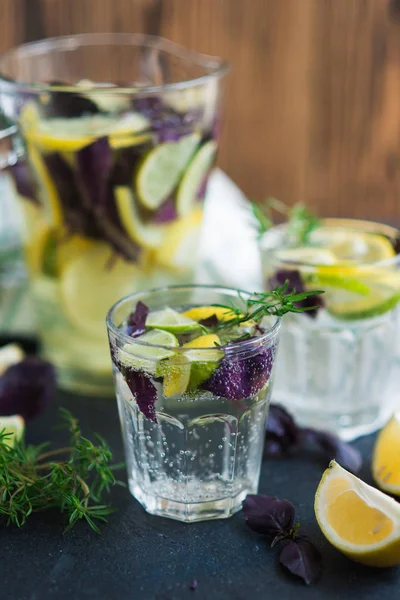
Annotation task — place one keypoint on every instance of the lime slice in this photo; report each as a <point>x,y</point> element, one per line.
<point>146,358</point>
<point>194,177</point>
<point>147,235</point>
<point>307,255</point>
<point>14,425</point>
<point>162,169</point>
<point>323,282</point>
<point>380,300</point>
<point>181,241</point>
<point>171,320</point>
<point>90,284</point>
<point>204,361</point>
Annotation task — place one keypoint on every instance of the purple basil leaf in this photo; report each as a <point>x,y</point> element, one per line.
<point>143,391</point>
<point>94,163</point>
<point>334,448</point>
<point>211,321</point>
<point>126,163</point>
<point>166,212</point>
<point>77,216</point>
<point>27,388</point>
<point>296,284</point>
<point>194,585</point>
<point>226,380</point>
<point>24,180</point>
<point>137,320</point>
<point>281,430</point>
<point>268,515</point>
<point>257,370</point>
<point>301,558</point>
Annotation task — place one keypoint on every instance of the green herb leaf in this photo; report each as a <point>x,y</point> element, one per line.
<point>73,479</point>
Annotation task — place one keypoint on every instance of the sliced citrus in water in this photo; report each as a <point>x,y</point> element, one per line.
<point>171,320</point>
<point>146,358</point>
<point>179,247</point>
<point>194,176</point>
<point>386,457</point>
<point>204,360</point>
<point>307,255</point>
<point>162,169</point>
<point>47,187</point>
<point>14,425</point>
<point>176,373</point>
<point>91,283</point>
<point>199,313</point>
<point>359,520</point>
<point>147,235</point>
<point>71,135</point>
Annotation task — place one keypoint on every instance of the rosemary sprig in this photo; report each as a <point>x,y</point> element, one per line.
<point>301,222</point>
<point>73,479</point>
<point>276,302</point>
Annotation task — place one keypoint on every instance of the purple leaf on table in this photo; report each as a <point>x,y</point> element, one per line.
<point>334,448</point>
<point>281,429</point>
<point>268,515</point>
<point>27,388</point>
<point>301,558</point>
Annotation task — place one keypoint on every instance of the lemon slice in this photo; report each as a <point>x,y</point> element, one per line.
<point>380,300</point>
<point>179,247</point>
<point>146,358</point>
<point>162,169</point>
<point>71,135</point>
<point>199,313</point>
<point>194,177</point>
<point>46,185</point>
<point>359,520</point>
<point>15,425</point>
<point>187,371</point>
<point>147,235</point>
<point>90,284</point>
<point>176,373</point>
<point>386,457</point>
<point>204,360</point>
<point>171,320</point>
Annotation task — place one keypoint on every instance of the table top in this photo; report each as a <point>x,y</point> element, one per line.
<point>143,557</point>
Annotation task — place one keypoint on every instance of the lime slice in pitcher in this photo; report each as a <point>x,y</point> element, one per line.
<point>194,177</point>
<point>162,169</point>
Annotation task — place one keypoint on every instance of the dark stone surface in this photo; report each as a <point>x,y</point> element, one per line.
<point>149,558</point>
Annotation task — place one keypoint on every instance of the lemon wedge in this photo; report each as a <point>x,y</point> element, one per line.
<point>90,285</point>
<point>180,244</point>
<point>359,520</point>
<point>386,457</point>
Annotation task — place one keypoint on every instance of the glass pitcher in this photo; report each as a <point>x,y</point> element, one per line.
<point>120,133</point>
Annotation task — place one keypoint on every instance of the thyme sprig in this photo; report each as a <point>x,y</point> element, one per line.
<point>73,479</point>
<point>301,222</point>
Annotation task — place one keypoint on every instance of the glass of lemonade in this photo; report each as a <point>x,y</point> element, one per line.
<point>192,404</point>
<point>335,362</point>
<point>120,133</point>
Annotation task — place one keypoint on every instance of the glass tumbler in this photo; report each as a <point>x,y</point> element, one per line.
<point>194,455</point>
<point>336,364</point>
<point>120,133</point>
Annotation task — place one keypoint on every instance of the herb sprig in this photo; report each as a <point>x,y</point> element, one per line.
<point>73,479</point>
<point>301,222</point>
<point>276,302</point>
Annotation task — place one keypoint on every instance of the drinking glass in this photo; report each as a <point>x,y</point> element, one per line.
<point>335,364</point>
<point>194,455</point>
<point>120,133</point>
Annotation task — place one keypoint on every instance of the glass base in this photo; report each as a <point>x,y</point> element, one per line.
<point>348,426</point>
<point>204,510</point>
<point>85,382</point>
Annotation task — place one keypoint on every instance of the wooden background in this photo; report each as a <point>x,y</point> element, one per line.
<point>313,104</point>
